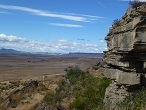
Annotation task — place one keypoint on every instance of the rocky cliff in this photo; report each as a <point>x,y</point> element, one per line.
<point>125,60</point>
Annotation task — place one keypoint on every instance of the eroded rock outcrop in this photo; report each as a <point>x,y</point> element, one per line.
<point>125,60</point>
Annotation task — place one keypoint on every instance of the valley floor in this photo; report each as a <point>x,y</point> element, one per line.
<point>18,67</point>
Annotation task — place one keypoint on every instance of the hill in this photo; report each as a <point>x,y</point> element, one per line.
<point>11,51</point>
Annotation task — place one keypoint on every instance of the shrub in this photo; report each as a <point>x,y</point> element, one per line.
<point>91,93</point>
<point>74,73</point>
<point>116,22</point>
<point>14,103</point>
<point>88,91</point>
<point>136,3</point>
<point>15,83</point>
<point>135,101</point>
<point>82,91</point>
<point>48,99</point>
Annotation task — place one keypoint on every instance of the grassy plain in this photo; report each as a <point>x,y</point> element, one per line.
<point>29,66</point>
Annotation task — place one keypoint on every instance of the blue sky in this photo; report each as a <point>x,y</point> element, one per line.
<point>58,25</point>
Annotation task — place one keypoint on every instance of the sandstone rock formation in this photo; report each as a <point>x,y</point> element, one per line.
<point>125,60</point>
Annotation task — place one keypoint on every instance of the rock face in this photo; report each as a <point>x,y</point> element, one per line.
<point>125,60</point>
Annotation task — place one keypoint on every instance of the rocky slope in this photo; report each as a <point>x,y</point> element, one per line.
<point>125,60</point>
<point>27,94</point>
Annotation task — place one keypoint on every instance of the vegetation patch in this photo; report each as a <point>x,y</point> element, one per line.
<point>116,22</point>
<point>80,90</point>
<point>136,3</point>
<point>136,101</point>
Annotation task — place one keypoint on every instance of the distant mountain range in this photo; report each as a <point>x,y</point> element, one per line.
<point>75,54</point>
<point>11,51</point>
<point>100,55</point>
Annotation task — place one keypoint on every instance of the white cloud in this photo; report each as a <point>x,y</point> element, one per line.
<point>62,46</point>
<point>3,12</point>
<point>101,41</point>
<point>68,16</point>
<point>11,38</point>
<point>66,25</point>
<point>91,16</point>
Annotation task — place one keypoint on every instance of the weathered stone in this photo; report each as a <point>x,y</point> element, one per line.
<point>125,60</point>
<point>122,77</point>
<point>40,107</point>
<point>114,94</point>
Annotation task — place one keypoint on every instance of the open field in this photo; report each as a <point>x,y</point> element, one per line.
<point>27,66</point>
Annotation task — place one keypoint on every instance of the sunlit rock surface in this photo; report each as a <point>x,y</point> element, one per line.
<point>125,60</point>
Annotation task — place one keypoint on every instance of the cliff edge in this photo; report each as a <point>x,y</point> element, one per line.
<point>125,60</point>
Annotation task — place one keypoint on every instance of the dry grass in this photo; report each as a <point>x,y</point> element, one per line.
<point>29,100</point>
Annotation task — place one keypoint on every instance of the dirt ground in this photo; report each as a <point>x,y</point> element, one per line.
<point>27,66</point>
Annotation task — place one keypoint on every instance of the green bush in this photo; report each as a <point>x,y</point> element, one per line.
<point>88,90</point>
<point>135,101</point>
<point>48,99</point>
<point>74,73</point>
<point>91,93</point>
<point>83,91</point>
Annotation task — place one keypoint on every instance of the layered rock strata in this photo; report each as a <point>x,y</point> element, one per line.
<point>125,60</point>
